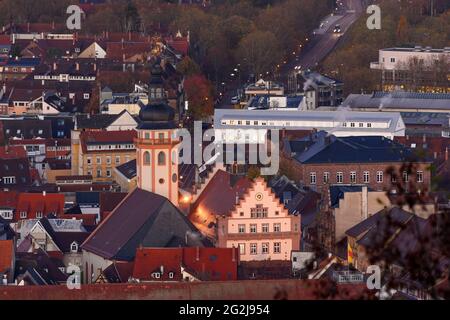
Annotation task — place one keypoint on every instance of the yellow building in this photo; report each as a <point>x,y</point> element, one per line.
<point>102,151</point>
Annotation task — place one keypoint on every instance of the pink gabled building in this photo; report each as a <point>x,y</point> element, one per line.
<point>254,220</point>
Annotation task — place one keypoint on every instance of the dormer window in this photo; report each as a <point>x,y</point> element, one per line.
<point>38,214</point>
<point>74,247</point>
<point>171,275</point>
<point>156,275</point>
<point>23,215</point>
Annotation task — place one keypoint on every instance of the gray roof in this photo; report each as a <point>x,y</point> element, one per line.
<point>396,214</point>
<point>337,192</point>
<point>319,79</point>
<point>128,169</point>
<point>361,149</point>
<point>307,120</point>
<point>402,100</point>
<point>95,121</point>
<point>142,219</point>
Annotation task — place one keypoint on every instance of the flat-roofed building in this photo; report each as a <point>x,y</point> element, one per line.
<point>414,69</point>
<point>251,126</point>
<point>399,102</point>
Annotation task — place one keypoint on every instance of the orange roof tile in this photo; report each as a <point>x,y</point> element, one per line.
<point>6,254</point>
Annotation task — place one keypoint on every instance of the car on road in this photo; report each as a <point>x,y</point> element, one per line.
<point>337,29</point>
<point>235,100</point>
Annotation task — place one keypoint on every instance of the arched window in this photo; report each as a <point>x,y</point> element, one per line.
<point>161,159</point>
<point>146,158</point>
<point>74,247</point>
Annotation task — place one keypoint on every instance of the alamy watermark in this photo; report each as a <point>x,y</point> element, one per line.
<point>230,146</point>
<point>374,20</point>
<point>73,22</point>
<point>74,279</point>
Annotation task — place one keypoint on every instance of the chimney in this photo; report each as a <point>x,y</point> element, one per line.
<point>197,257</point>
<point>364,202</point>
<point>95,67</point>
<point>53,25</point>
<point>446,153</point>
<point>54,65</point>
<point>424,138</point>
<point>129,35</point>
<point>77,66</point>
<point>122,43</point>
<point>28,27</point>
<point>44,193</point>
<point>237,198</point>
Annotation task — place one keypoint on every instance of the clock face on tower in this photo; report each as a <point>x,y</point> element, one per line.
<point>259,196</point>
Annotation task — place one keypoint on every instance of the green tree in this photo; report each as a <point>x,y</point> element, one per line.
<point>259,51</point>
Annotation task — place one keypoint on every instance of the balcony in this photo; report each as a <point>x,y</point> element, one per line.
<point>155,142</point>
<point>376,65</point>
<point>262,235</point>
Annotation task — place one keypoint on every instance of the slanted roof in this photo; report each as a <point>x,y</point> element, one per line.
<point>202,263</point>
<point>142,218</point>
<point>395,214</point>
<point>220,195</point>
<point>95,121</point>
<point>64,238</point>
<point>337,192</point>
<point>399,100</point>
<point>128,169</point>
<point>43,269</point>
<point>118,271</point>
<point>361,149</point>
<point>6,255</point>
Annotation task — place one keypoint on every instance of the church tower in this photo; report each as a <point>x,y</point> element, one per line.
<point>157,144</point>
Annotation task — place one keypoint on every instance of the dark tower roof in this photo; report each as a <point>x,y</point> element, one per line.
<point>156,72</point>
<point>157,114</point>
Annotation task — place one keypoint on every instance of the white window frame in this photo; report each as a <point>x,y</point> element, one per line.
<point>72,246</point>
<point>353,177</point>
<point>312,178</point>
<point>277,247</point>
<point>277,227</point>
<point>253,248</point>
<point>379,174</point>
<point>366,177</point>
<point>419,175</point>
<point>241,247</point>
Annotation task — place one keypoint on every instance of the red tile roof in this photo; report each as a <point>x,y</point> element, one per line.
<point>8,199</point>
<point>219,264</point>
<point>12,152</point>
<point>38,202</point>
<point>5,39</point>
<point>116,50</point>
<point>294,289</point>
<point>6,255</point>
<point>99,137</point>
<point>180,44</point>
<point>20,142</point>
<point>219,196</point>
